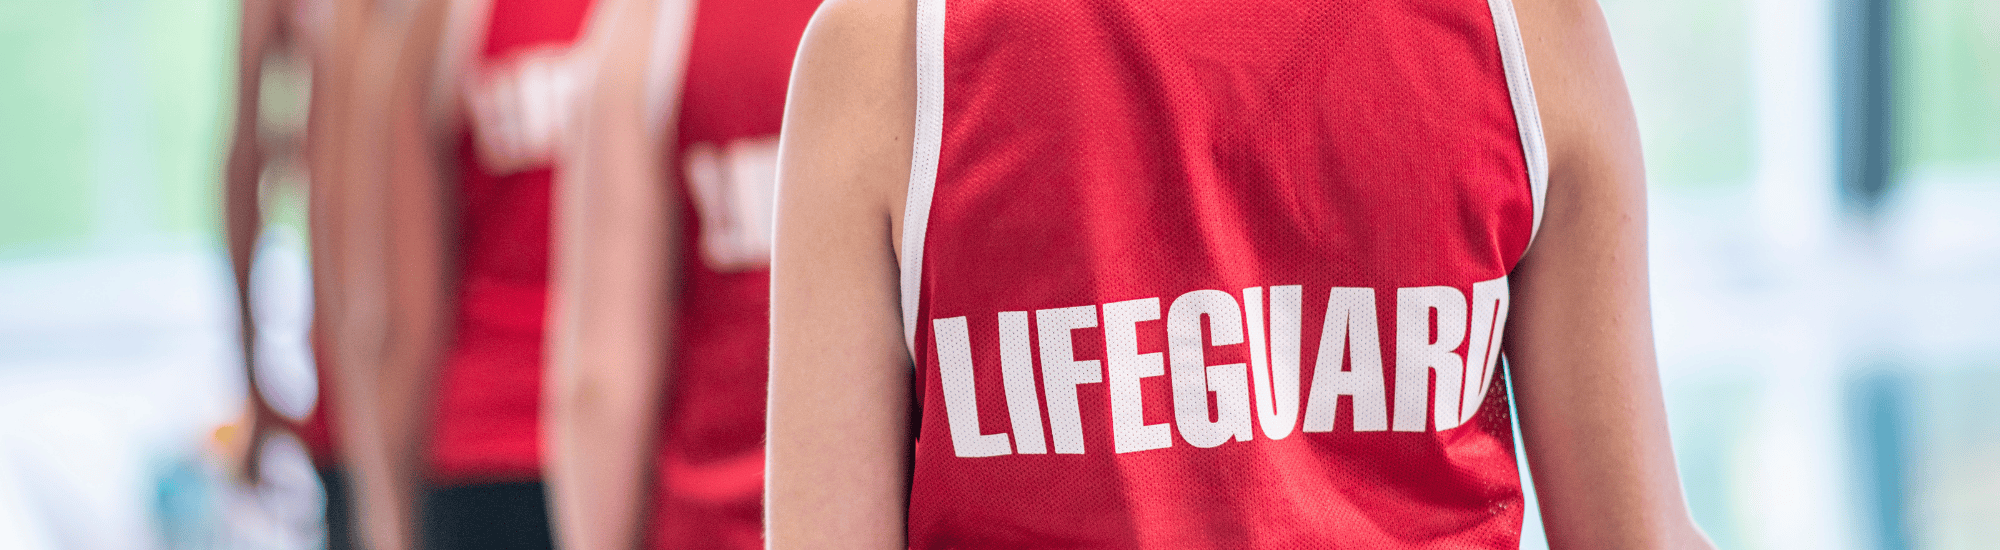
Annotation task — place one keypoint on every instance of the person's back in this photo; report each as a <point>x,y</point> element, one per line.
<point>1230,226</point>
<point>1209,275</point>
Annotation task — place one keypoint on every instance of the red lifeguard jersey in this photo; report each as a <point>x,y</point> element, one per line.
<point>1216,274</point>
<point>487,426</point>
<point>709,492</point>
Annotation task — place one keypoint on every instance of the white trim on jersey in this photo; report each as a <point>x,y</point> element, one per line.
<point>1527,116</point>
<point>923,158</point>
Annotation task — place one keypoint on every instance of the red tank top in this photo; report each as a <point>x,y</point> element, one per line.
<point>1207,273</point>
<point>486,424</point>
<point>711,457</point>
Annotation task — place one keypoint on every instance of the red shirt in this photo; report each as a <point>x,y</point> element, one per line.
<point>1206,274</point>
<point>711,458</point>
<point>489,393</point>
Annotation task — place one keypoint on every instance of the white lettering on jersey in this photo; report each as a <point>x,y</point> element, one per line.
<point>1129,431</point>
<point>520,109</point>
<point>1017,368</point>
<point>1061,372</point>
<point>1348,333</point>
<point>961,399</point>
<point>1275,369</point>
<point>1489,322</point>
<point>1194,379</point>
<point>1277,387</point>
<point>1213,403</point>
<point>1420,353</point>
<point>733,187</point>
<point>1260,353</point>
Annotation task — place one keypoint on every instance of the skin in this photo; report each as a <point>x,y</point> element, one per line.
<point>261,31</point>
<point>837,474</point>
<point>394,275</point>
<point>1580,336</point>
<point>1579,339</point>
<point>614,281</point>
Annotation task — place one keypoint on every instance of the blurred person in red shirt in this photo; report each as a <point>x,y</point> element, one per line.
<point>448,233</point>
<point>564,223</point>
<point>665,230</point>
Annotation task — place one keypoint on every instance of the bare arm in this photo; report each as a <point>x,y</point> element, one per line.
<point>838,454</point>
<point>243,219</point>
<point>1580,341</point>
<point>396,229</point>
<point>332,88</point>
<point>613,280</point>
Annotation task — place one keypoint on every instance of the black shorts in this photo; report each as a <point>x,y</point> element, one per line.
<point>339,510</point>
<point>486,516</point>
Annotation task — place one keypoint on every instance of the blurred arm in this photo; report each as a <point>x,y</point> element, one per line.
<point>325,140</point>
<point>838,456</point>
<point>613,281</point>
<point>259,35</point>
<point>395,228</point>
<point>243,219</point>
<point>1580,341</point>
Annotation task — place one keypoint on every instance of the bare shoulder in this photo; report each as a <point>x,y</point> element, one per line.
<point>861,51</point>
<point>858,23</point>
<point>851,109</point>
<point>1585,107</point>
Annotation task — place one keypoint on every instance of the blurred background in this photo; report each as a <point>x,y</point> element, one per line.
<point>1826,272</point>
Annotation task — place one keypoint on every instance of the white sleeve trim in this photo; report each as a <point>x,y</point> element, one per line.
<point>1527,115</point>
<point>923,158</point>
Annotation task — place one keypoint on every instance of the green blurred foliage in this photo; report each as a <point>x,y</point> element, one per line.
<point>1948,98</point>
<point>45,113</point>
<point>191,51</point>
<point>1687,63</point>
<point>111,121</point>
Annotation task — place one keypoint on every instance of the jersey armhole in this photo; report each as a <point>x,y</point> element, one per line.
<point>923,160</point>
<point>1527,116</point>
